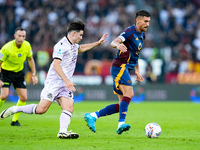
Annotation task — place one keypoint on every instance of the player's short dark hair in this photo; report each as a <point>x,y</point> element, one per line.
<point>19,28</point>
<point>142,13</point>
<point>76,26</point>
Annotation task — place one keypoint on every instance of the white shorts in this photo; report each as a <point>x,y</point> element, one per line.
<point>53,89</point>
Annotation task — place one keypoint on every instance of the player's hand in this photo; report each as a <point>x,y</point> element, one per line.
<point>139,77</point>
<point>1,83</point>
<point>34,79</point>
<point>70,86</point>
<point>122,47</point>
<point>102,40</point>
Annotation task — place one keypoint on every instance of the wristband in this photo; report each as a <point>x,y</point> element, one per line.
<point>34,74</point>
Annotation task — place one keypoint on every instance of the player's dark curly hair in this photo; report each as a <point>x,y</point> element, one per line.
<point>76,26</point>
<point>142,13</point>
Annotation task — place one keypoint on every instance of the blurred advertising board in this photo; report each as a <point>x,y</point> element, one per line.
<point>151,92</point>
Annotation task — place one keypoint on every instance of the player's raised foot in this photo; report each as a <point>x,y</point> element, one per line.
<point>122,128</point>
<point>15,123</point>
<point>7,112</point>
<point>90,122</point>
<point>67,135</point>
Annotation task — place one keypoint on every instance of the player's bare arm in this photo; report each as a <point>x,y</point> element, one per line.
<point>117,43</point>
<point>138,75</point>
<point>86,47</point>
<point>69,85</point>
<point>33,70</point>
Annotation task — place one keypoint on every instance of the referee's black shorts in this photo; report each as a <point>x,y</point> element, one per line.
<point>16,78</point>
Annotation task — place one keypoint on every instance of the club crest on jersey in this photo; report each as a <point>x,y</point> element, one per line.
<point>140,46</point>
<point>19,55</point>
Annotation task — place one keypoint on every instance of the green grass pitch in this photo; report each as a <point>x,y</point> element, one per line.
<point>180,123</point>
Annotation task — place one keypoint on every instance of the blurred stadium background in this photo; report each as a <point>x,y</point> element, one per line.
<point>169,60</point>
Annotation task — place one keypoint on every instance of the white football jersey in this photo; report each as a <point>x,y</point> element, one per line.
<point>67,53</point>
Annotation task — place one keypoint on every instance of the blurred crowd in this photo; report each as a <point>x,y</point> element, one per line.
<point>173,38</point>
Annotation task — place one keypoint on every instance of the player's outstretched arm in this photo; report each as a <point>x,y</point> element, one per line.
<point>86,47</point>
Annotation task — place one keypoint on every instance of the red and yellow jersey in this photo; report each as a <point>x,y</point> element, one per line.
<point>133,40</point>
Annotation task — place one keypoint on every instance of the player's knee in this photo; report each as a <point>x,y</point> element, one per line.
<point>40,110</point>
<point>23,99</point>
<point>68,105</point>
<point>3,96</point>
<point>129,94</point>
<point>69,108</point>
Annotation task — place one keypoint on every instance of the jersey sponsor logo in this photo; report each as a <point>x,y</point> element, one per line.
<point>59,51</point>
<point>19,55</point>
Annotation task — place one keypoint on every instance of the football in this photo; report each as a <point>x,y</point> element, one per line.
<point>152,130</point>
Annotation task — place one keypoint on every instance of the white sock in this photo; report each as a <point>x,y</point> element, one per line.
<point>120,123</point>
<point>14,109</point>
<point>64,120</point>
<point>28,109</point>
<point>94,115</point>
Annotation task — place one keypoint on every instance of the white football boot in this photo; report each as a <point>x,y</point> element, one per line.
<point>7,112</point>
<point>67,135</point>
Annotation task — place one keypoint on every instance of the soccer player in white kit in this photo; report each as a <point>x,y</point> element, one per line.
<point>58,86</point>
